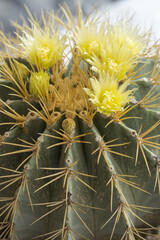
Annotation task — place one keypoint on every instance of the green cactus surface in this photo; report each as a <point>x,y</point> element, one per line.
<point>79,130</point>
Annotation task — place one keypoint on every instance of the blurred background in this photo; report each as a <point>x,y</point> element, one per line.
<point>146,12</point>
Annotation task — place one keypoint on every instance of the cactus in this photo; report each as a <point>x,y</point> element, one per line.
<point>79,136</point>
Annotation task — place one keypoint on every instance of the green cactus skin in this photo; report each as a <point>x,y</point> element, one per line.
<point>83,184</point>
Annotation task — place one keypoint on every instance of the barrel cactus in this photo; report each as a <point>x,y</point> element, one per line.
<point>79,130</point>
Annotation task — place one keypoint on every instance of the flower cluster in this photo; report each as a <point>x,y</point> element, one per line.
<point>112,52</point>
<point>116,50</point>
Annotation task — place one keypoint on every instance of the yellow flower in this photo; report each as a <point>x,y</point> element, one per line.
<point>43,47</point>
<point>121,48</point>
<point>107,96</point>
<point>39,83</point>
<point>88,39</point>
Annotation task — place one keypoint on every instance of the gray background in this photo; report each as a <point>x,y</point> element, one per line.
<point>14,9</point>
<point>147,12</point>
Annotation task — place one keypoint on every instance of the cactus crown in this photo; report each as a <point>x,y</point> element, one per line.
<point>79,141</point>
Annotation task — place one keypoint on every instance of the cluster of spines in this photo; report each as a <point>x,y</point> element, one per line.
<point>68,139</point>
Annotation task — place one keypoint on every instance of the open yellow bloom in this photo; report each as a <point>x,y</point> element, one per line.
<point>89,39</point>
<point>119,51</point>
<point>107,96</point>
<point>39,83</point>
<point>42,47</point>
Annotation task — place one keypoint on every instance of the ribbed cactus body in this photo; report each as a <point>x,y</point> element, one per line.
<point>81,175</point>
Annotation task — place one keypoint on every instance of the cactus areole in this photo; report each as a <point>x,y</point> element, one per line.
<point>79,130</point>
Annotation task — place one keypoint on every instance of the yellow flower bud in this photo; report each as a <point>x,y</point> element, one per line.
<point>20,70</point>
<point>39,83</point>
